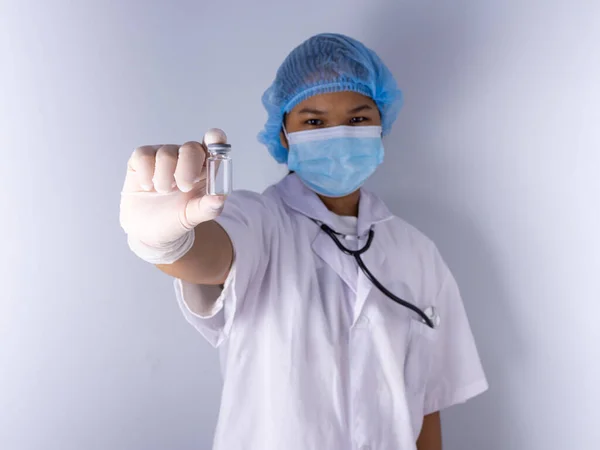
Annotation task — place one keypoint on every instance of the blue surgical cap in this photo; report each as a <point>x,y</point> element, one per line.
<point>322,64</point>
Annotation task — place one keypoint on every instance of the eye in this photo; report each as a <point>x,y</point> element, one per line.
<point>356,120</point>
<point>314,122</point>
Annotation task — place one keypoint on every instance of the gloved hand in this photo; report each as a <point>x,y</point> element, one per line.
<point>164,198</point>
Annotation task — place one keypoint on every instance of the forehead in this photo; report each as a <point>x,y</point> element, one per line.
<point>334,101</point>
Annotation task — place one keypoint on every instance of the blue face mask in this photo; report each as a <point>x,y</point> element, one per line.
<point>335,161</point>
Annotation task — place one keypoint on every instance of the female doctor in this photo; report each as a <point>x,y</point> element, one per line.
<point>339,325</point>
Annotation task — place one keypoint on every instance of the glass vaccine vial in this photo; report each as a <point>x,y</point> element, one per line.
<point>218,169</point>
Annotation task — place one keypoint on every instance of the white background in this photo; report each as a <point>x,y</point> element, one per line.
<point>496,156</point>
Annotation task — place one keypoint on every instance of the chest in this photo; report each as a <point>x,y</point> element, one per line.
<point>316,294</point>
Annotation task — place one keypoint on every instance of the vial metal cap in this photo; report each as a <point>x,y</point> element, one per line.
<point>216,149</point>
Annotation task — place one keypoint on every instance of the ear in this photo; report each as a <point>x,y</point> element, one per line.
<point>283,140</point>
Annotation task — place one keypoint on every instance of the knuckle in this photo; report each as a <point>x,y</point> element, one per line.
<point>145,151</point>
<point>144,154</point>
<point>192,148</point>
<point>167,155</point>
<point>192,144</point>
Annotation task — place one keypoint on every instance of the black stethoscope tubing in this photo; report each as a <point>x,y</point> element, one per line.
<point>357,256</point>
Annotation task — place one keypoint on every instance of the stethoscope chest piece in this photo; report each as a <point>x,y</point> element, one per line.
<point>432,314</point>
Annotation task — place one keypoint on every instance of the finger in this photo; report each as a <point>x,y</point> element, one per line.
<point>164,172</point>
<point>189,165</point>
<point>215,136</point>
<point>203,209</point>
<point>142,164</point>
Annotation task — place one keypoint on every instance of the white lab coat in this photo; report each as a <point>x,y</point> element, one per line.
<point>313,355</point>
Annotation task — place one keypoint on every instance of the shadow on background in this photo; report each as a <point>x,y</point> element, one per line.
<point>430,48</point>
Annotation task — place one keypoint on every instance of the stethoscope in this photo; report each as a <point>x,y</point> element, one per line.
<point>429,316</point>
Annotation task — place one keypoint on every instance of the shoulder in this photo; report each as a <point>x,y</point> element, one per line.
<point>401,232</point>
<point>396,231</point>
<point>407,240</point>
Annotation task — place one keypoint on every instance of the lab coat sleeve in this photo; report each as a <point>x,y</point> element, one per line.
<point>456,372</point>
<point>212,309</point>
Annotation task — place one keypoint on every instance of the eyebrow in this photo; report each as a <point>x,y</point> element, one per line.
<point>311,111</point>
<point>319,112</point>
<point>360,108</point>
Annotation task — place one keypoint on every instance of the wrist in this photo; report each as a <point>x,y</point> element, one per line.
<point>166,253</point>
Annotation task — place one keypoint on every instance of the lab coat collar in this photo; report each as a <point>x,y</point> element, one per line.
<point>371,211</point>
<point>295,194</point>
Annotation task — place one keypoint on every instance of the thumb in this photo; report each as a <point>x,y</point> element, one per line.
<point>203,209</point>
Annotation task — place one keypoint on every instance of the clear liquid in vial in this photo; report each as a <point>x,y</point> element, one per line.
<point>219,170</point>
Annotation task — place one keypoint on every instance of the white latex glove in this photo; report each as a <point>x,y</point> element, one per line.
<point>164,198</point>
